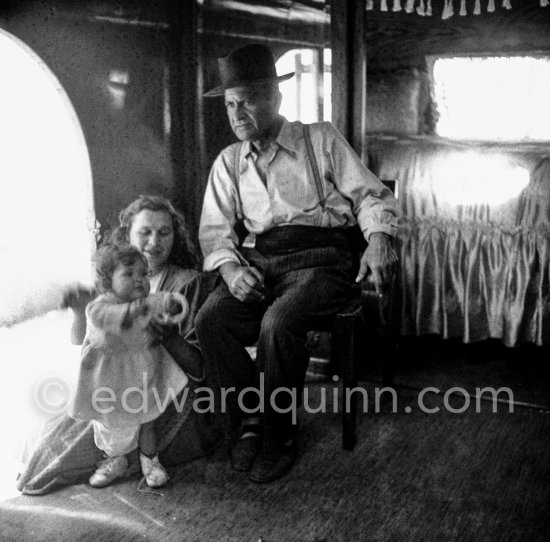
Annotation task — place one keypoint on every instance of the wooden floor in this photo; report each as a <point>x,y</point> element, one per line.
<point>441,476</point>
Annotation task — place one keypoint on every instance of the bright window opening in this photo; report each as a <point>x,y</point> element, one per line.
<point>468,178</point>
<point>45,210</point>
<point>492,98</point>
<point>307,95</point>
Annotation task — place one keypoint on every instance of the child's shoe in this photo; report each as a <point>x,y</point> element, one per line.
<point>154,473</point>
<point>109,470</point>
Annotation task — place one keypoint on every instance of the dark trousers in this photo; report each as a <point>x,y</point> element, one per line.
<point>304,287</point>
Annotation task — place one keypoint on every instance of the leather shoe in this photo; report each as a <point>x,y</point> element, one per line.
<point>243,453</point>
<point>271,465</point>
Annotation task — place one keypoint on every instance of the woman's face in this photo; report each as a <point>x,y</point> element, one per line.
<point>152,233</point>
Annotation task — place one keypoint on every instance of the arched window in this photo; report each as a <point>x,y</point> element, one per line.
<point>46,218</point>
<point>307,95</point>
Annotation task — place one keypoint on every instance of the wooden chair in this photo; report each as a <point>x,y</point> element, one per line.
<point>381,316</point>
<point>349,348</point>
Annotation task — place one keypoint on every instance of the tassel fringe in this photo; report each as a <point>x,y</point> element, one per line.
<point>396,5</point>
<point>424,7</point>
<point>409,6</point>
<point>448,10</point>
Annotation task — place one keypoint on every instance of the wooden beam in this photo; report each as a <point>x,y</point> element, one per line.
<point>340,65</point>
<point>359,79</point>
<point>349,71</point>
<point>317,73</point>
<point>261,29</point>
<point>184,88</point>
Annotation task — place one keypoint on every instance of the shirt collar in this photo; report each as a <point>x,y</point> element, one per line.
<point>284,139</point>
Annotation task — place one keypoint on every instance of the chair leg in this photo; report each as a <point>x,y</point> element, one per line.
<point>390,345</point>
<point>349,414</point>
<point>345,345</point>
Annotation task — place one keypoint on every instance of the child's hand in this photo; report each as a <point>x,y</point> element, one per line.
<point>76,297</point>
<point>138,308</point>
<point>170,308</point>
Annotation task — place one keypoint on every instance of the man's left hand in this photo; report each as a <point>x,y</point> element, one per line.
<point>381,259</point>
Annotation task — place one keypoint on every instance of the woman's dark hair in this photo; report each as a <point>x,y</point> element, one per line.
<point>108,257</point>
<point>184,251</point>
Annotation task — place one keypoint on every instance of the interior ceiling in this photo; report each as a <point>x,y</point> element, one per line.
<point>312,11</point>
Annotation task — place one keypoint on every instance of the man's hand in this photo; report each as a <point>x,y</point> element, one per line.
<point>381,259</point>
<point>245,283</point>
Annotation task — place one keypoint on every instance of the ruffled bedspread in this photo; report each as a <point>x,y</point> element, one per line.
<point>474,238</point>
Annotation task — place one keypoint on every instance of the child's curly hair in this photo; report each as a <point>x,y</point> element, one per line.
<point>108,257</point>
<point>184,251</point>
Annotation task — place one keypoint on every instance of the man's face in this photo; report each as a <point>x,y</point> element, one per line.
<point>251,111</point>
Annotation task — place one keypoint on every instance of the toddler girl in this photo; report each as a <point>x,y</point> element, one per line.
<point>126,378</point>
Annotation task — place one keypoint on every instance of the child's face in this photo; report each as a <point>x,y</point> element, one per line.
<point>130,282</point>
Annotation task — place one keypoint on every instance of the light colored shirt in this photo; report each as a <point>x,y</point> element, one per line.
<point>287,194</point>
<point>155,280</point>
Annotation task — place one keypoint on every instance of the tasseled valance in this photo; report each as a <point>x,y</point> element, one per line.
<point>424,7</point>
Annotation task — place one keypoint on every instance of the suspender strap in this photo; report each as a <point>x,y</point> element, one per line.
<point>236,176</point>
<point>314,168</point>
<point>236,162</point>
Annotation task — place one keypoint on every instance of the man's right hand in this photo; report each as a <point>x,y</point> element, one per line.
<point>244,282</point>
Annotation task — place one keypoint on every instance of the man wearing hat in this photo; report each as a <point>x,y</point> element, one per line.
<point>298,190</point>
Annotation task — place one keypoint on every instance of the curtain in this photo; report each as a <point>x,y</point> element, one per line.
<point>474,238</point>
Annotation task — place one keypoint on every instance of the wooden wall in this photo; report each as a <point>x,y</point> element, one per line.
<point>401,40</point>
<point>82,43</point>
<point>165,137</point>
<point>398,43</point>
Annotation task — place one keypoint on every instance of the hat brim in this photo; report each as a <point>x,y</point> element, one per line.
<point>220,90</point>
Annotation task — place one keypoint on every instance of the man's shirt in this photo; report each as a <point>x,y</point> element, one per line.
<point>284,191</point>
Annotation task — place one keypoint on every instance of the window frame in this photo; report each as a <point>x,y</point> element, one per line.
<point>430,61</point>
<point>317,67</point>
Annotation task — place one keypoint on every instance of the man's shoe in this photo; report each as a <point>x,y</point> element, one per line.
<point>244,451</point>
<point>271,465</point>
<point>109,470</point>
<point>154,473</point>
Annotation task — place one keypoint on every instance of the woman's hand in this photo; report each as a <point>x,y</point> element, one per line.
<point>173,307</point>
<point>244,282</point>
<point>381,259</point>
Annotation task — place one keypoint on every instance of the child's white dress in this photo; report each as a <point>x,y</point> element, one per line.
<point>126,377</point>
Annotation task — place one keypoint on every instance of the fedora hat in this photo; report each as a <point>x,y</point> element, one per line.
<point>247,65</point>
